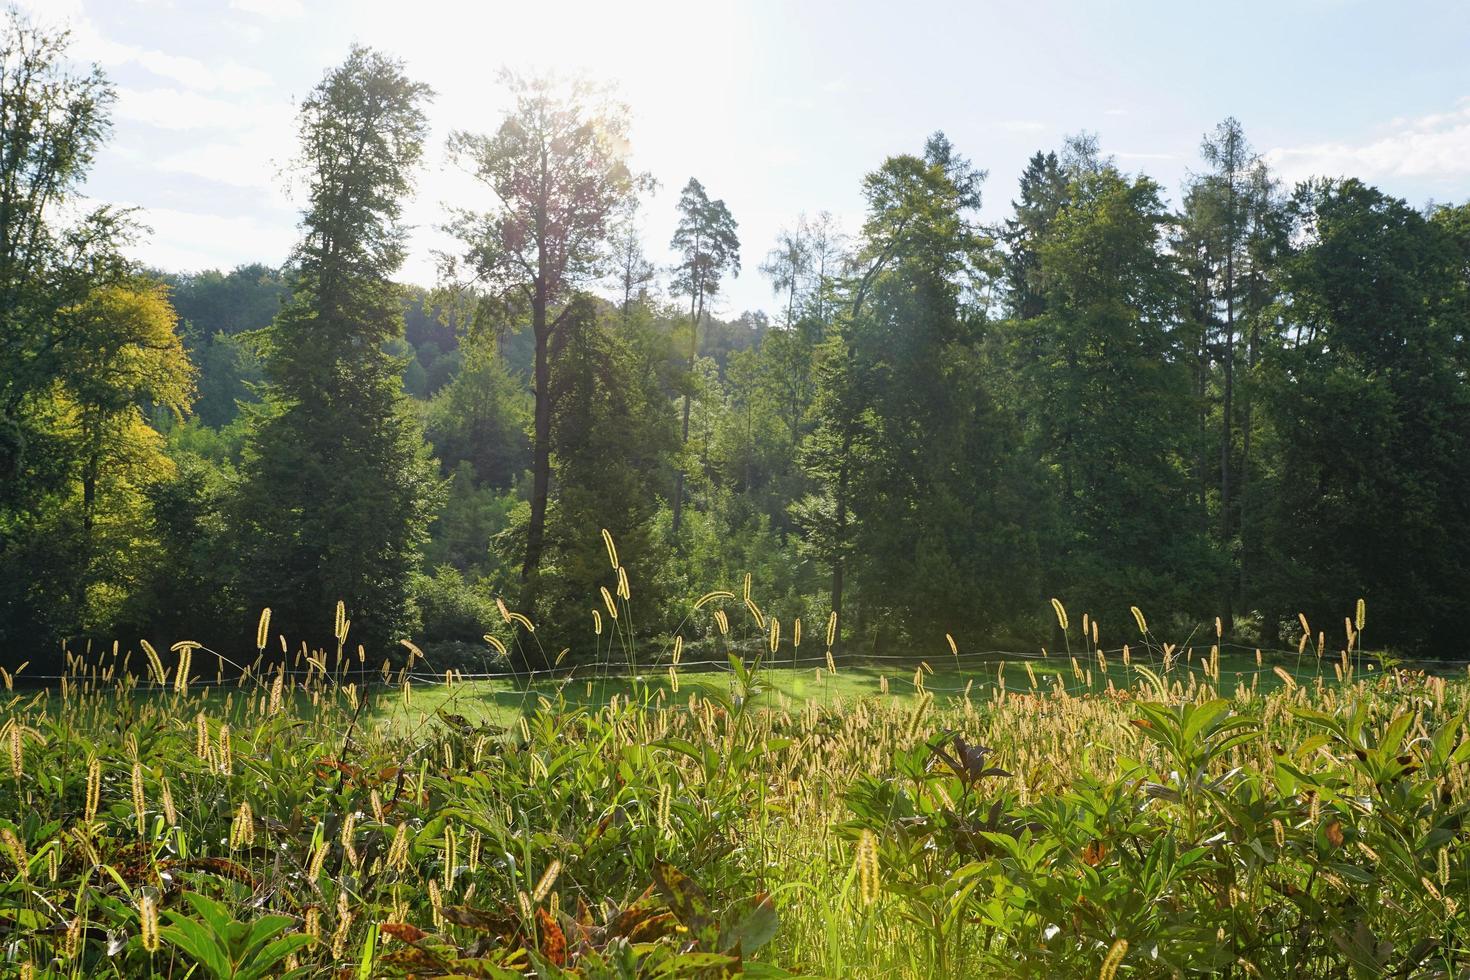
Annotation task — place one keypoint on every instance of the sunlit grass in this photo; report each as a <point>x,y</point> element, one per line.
<point>1153,812</point>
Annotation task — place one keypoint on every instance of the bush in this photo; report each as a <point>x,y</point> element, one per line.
<point>453,608</point>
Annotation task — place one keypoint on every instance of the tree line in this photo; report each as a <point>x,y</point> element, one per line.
<point>1252,406</point>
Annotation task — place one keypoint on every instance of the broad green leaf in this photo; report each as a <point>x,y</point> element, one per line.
<point>197,943</point>
<point>754,928</point>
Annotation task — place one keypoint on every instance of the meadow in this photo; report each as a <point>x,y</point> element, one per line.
<point>1150,812</point>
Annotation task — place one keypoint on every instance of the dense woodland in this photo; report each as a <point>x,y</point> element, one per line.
<point>1238,399</point>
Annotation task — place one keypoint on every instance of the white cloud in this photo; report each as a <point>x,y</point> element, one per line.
<point>271,9</point>
<point>226,76</point>
<point>179,109</point>
<point>256,164</point>
<point>89,44</point>
<point>187,240</point>
<point>1435,146</point>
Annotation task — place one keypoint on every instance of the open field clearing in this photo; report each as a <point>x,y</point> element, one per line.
<point>504,695</point>
<point>761,820</point>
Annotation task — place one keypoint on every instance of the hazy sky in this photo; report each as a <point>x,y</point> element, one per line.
<point>778,108</point>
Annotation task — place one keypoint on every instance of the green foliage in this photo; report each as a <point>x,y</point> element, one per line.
<point>480,418</point>
<point>315,825</point>
<point>63,415</point>
<point>231,950</point>
<point>451,608</point>
<point>1250,407</point>
<point>337,487</point>
<point>611,432</point>
<point>1372,356</point>
<point>1116,448</point>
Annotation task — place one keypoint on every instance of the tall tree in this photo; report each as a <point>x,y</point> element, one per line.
<point>708,248</point>
<point>559,171</point>
<point>1368,421</point>
<point>1223,231</point>
<point>1043,195</point>
<point>943,491</point>
<point>826,248</point>
<point>920,210</point>
<point>787,265</point>
<point>612,435</point>
<point>55,255</point>
<point>336,487</point>
<point>1109,403</point>
<point>53,123</point>
<point>94,535</point>
<point>633,272</point>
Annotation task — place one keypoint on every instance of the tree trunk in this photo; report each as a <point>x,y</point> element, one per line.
<point>838,571</point>
<point>1243,567</point>
<point>1227,616</point>
<point>696,313</point>
<point>541,450</point>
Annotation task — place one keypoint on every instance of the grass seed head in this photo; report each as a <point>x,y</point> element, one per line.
<point>867,867</point>
<point>612,548</point>
<point>1110,963</point>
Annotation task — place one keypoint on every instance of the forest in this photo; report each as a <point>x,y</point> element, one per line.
<point>1244,399</point>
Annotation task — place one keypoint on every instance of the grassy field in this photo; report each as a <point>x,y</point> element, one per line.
<point>1086,817</point>
<point>499,700</point>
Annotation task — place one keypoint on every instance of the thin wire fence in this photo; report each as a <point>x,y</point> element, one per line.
<point>1191,660</point>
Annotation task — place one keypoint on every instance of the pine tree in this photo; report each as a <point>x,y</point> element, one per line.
<point>708,249</point>
<point>1225,233</point>
<point>1043,195</point>
<point>612,435</point>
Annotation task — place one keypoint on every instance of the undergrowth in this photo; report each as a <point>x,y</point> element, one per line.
<point>293,820</point>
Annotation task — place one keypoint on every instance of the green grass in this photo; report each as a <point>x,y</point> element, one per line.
<point>776,822</point>
<point>501,700</point>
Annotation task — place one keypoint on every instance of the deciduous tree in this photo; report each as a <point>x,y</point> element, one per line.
<point>337,486</point>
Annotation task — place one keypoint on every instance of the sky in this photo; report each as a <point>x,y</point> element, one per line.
<point>778,108</point>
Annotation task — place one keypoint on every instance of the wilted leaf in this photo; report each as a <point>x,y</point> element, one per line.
<point>651,928</point>
<point>503,923</point>
<point>553,941</point>
<point>402,931</point>
<point>688,902</point>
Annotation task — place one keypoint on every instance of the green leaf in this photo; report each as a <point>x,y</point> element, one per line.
<point>197,943</point>
<point>679,745</point>
<point>262,964</point>
<point>214,914</point>
<point>262,929</point>
<point>753,930</point>
<point>1199,718</point>
<point>369,948</point>
<point>1393,736</point>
